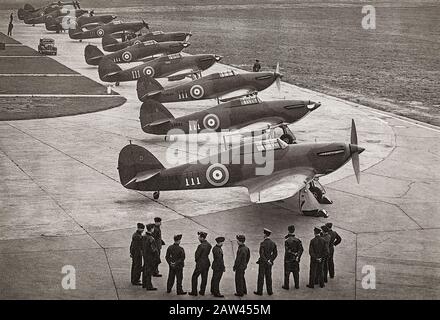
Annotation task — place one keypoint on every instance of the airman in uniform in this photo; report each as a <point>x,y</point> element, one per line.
<point>136,255</point>
<point>268,254</point>
<point>317,250</point>
<point>175,257</point>
<point>202,265</point>
<point>326,236</point>
<point>157,235</point>
<point>292,256</point>
<point>257,66</point>
<point>218,267</point>
<point>240,265</point>
<point>150,255</point>
<point>335,239</point>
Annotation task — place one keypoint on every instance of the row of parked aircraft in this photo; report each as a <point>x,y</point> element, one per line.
<point>159,55</point>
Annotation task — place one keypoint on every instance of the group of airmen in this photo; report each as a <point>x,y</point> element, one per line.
<point>146,247</point>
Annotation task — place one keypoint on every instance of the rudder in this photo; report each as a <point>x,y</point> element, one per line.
<point>93,55</point>
<point>147,87</point>
<point>109,43</point>
<point>107,68</point>
<point>134,159</point>
<point>153,111</point>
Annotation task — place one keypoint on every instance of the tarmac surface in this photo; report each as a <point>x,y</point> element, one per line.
<point>62,204</point>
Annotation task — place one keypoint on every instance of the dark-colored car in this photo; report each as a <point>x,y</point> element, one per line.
<point>47,46</point>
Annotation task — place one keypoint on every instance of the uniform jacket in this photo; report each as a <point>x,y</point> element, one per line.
<point>242,259</point>
<point>202,255</point>
<point>136,244</point>
<point>318,248</point>
<point>175,256</point>
<point>157,235</point>
<point>326,238</point>
<point>218,264</point>
<point>149,249</point>
<point>268,251</point>
<point>335,239</point>
<point>293,249</point>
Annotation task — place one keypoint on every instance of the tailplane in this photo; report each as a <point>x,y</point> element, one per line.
<point>93,55</point>
<point>148,87</point>
<point>28,7</point>
<point>136,164</point>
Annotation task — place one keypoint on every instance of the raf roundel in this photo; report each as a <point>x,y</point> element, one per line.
<point>126,56</point>
<point>148,71</point>
<point>100,32</point>
<point>197,91</point>
<point>217,175</point>
<point>211,122</point>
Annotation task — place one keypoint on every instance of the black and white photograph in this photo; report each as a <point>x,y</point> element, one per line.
<point>219,151</point>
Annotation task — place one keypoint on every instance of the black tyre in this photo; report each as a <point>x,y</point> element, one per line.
<point>156,195</point>
<point>287,138</point>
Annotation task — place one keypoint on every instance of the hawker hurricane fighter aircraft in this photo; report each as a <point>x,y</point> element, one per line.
<point>245,115</point>
<point>209,87</point>
<point>68,22</point>
<point>115,27</point>
<point>133,53</point>
<point>291,168</point>
<point>57,14</point>
<point>111,44</point>
<point>28,11</point>
<point>166,66</point>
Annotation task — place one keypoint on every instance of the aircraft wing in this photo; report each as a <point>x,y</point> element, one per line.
<point>143,176</point>
<point>278,186</point>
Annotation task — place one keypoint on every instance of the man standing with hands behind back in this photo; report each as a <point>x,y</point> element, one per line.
<point>268,254</point>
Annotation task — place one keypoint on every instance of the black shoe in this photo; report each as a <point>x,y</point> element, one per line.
<point>218,295</point>
<point>137,284</point>
<point>157,275</point>
<point>325,280</point>
<point>322,285</point>
<point>193,294</point>
<point>286,288</point>
<point>201,293</point>
<point>168,290</point>
<point>270,293</point>
<point>238,294</point>
<point>258,293</point>
<point>181,293</point>
<point>309,286</point>
<point>151,289</point>
<point>296,287</point>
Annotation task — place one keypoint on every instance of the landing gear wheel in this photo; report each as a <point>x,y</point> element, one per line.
<point>117,84</point>
<point>322,213</point>
<point>156,195</point>
<point>80,40</point>
<point>317,193</point>
<point>287,138</point>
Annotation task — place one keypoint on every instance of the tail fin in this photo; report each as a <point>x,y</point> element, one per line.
<point>147,87</point>
<point>93,55</point>
<point>22,14</point>
<point>136,164</point>
<point>28,7</point>
<point>109,43</point>
<point>154,113</point>
<point>107,68</point>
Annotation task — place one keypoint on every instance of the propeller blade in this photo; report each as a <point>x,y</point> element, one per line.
<point>278,83</point>
<point>353,138</point>
<point>356,168</point>
<point>277,69</point>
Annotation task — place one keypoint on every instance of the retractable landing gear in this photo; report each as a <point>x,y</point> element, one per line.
<point>156,195</point>
<point>288,136</point>
<point>309,205</point>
